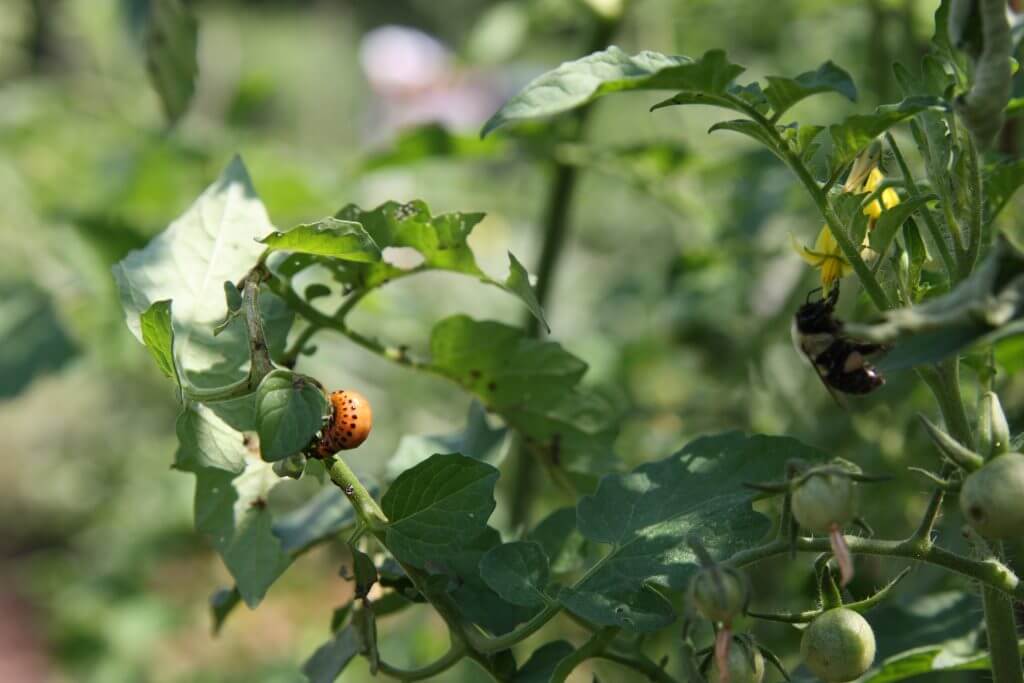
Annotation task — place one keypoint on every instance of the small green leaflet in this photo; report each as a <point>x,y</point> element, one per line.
<point>518,572</point>
<point>782,93</point>
<point>206,441</point>
<point>158,336</point>
<point>642,610</point>
<point>857,131</point>
<point>330,237</point>
<point>290,409</point>
<point>438,505</point>
<point>927,659</point>
<point>543,662</point>
<point>172,35</point>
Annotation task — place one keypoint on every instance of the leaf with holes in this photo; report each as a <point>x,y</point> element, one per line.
<point>345,240</point>
<point>290,409</point>
<point>437,505</point>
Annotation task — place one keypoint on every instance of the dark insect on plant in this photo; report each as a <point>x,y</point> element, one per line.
<point>840,361</point>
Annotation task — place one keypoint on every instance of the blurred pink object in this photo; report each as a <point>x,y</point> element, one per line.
<point>415,80</point>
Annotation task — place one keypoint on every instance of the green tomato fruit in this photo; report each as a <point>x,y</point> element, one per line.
<point>719,602</point>
<point>992,498</point>
<point>824,499</point>
<point>746,663</point>
<point>838,646</point>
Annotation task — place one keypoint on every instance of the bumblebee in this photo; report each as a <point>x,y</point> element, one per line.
<point>840,361</point>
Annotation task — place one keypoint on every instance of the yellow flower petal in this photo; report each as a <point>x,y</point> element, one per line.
<point>890,198</point>
<point>811,257</point>
<point>875,179</point>
<point>873,210</point>
<point>826,243</point>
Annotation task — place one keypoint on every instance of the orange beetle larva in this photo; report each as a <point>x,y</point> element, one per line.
<point>349,425</point>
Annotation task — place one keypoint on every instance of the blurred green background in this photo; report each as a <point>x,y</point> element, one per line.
<point>676,287</point>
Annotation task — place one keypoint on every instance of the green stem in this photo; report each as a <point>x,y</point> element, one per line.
<point>1000,621</point>
<point>455,653</point>
<point>929,220</point>
<point>565,178</point>
<point>975,216</point>
<point>850,250</point>
<point>592,648</point>
<point>365,506</point>
<point>259,351</point>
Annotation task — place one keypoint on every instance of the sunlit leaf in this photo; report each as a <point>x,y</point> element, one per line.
<point>643,609</point>
<point>158,336</point>
<point>212,242</point>
<point>330,237</point>
<point>576,83</point>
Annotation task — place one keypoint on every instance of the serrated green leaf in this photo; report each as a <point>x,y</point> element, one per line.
<point>578,82</point>
<point>647,514</point>
<point>543,662</point>
<point>643,610</point>
<point>857,131</point>
<point>231,510</point>
<point>172,35</point>
<point>782,92</point>
<point>329,237</point>
<point>32,339</point>
<point>558,536</point>
<point>212,242</point>
<point>331,658</point>
<point>158,336</point>
<point>441,242</point>
<point>532,384</point>
<point>518,572</point>
<point>438,505</point>
<point>476,440</point>
<point>290,410</point>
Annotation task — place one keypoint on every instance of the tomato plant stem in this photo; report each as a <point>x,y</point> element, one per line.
<point>565,177</point>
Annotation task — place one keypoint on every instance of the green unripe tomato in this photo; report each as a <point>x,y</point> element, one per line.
<point>746,663</point>
<point>838,646</point>
<point>720,603</point>
<point>824,499</point>
<point>992,498</point>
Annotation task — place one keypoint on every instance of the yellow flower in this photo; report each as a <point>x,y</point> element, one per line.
<point>889,196</point>
<point>825,256</point>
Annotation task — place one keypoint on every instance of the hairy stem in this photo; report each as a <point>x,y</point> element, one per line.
<point>259,352</point>
<point>929,220</point>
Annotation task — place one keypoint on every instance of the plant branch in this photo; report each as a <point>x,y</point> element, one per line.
<point>933,227</point>
<point>455,653</point>
<point>259,351</point>
<point>638,662</point>
<point>592,648</point>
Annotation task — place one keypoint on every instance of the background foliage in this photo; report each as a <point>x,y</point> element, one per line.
<point>676,289</point>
